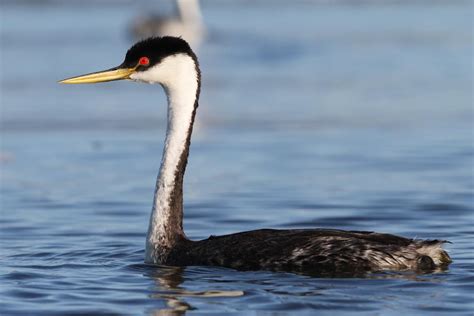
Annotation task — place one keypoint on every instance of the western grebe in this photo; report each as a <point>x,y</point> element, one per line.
<point>170,62</point>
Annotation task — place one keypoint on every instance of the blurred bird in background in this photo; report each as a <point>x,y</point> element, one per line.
<point>185,23</point>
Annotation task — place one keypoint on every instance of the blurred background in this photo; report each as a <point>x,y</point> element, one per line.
<point>344,114</point>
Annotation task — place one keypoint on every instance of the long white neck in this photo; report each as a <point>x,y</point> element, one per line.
<point>179,77</point>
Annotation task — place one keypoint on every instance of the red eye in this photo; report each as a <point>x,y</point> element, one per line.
<point>144,61</point>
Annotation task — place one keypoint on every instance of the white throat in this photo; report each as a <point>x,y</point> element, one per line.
<point>179,77</point>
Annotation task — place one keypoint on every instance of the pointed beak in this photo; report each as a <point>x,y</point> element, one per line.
<point>112,74</point>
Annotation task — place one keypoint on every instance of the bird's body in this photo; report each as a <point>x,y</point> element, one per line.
<point>321,251</point>
<point>171,63</point>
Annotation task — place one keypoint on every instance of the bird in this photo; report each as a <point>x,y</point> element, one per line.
<point>170,62</point>
<point>186,23</point>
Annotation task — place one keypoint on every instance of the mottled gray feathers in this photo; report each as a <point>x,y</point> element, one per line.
<point>317,251</point>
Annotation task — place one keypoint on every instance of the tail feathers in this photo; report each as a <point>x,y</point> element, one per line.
<point>432,249</point>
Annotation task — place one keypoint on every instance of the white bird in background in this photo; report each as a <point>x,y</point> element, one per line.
<point>187,24</point>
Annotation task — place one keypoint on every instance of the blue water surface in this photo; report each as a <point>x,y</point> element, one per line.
<point>352,115</point>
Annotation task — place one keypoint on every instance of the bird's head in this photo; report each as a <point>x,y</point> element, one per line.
<point>153,60</point>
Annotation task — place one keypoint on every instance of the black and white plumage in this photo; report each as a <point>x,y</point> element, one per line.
<point>170,62</point>
<point>318,251</point>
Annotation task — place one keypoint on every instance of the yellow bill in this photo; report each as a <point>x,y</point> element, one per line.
<point>101,76</point>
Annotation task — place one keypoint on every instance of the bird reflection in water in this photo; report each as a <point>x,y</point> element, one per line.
<point>168,281</point>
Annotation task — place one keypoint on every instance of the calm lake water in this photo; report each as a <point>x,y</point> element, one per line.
<point>312,115</point>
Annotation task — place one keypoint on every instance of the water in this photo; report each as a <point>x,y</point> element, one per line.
<point>341,116</point>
